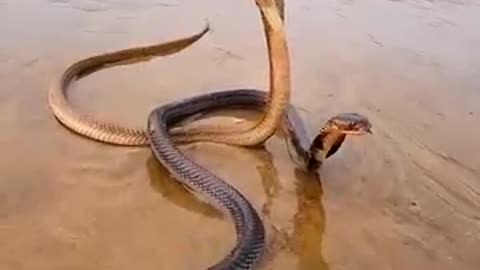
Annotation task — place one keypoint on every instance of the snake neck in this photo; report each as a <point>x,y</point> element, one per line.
<point>325,144</point>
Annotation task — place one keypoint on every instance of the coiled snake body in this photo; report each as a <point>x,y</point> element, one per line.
<point>274,104</point>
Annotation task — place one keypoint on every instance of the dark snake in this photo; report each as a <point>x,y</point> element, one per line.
<point>248,225</point>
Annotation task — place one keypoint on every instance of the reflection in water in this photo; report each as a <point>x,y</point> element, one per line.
<point>268,175</point>
<point>176,192</point>
<point>309,221</point>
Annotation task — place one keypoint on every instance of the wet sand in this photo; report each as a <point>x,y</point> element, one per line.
<point>407,197</point>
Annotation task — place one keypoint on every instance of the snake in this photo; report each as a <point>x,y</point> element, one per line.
<point>273,105</point>
<point>249,134</point>
<point>310,153</point>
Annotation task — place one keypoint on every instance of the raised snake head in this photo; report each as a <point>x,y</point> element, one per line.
<point>332,136</point>
<point>349,124</point>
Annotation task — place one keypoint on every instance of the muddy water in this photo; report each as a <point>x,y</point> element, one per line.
<point>407,197</point>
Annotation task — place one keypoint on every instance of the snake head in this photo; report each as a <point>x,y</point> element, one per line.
<point>332,135</point>
<point>350,124</point>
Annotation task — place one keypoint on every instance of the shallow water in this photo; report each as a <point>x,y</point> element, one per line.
<point>407,197</point>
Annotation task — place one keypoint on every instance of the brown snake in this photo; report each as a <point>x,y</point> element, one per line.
<point>246,135</point>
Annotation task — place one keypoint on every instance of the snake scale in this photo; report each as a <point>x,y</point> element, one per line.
<point>273,104</point>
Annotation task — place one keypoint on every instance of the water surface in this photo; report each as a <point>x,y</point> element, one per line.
<point>407,197</point>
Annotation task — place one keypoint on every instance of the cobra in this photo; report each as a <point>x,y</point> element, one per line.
<point>310,153</point>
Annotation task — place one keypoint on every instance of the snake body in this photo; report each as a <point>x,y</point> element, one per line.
<point>91,127</point>
<point>249,228</point>
<point>257,132</point>
<point>115,133</point>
